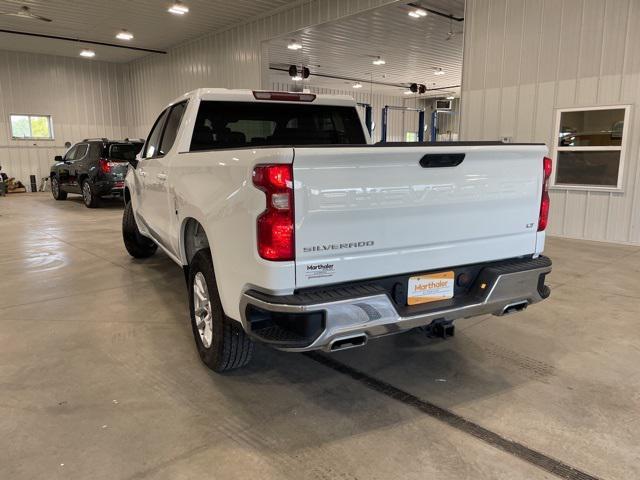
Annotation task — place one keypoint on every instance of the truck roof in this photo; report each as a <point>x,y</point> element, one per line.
<point>246,95</point>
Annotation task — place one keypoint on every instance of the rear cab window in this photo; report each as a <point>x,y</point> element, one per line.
<point>253,124</point>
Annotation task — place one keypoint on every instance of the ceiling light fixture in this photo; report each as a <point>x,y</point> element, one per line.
<point>87,53</point>
<point>379,61</point>
<point>124,35</point>
<point>357,85</point>
<point>438,71</point>
<point>418,13</point>
<point>451,97</point>
<point>293,45</point>
<point>297,78</point>
<point>408,92</point>
<point>178,8</point>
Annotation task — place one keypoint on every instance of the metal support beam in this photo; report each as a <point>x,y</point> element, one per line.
<point>81,40</point>
<point>421,126</point>
<point>434,126</point>
<point>368,116</point>
<point>435,129</point>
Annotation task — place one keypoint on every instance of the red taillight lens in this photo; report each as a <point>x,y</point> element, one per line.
<point>276,223</point>
<point>105,166</point>
<point>546,201</point>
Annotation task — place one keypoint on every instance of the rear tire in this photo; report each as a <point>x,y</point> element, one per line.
<point>56,191</point>
<point>136,244</point>
<point>221,342</point>
<point>89,196</point>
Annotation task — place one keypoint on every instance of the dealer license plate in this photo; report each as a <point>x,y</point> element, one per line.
<point>430,288</point>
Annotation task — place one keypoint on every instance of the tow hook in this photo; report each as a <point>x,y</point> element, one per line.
<point>440,328</point>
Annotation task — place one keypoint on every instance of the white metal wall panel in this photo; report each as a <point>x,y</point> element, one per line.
<point>84,98</point>
<point>525,58</point>
<point>91,98</point>
<point>412,48</point>
<point>231,58</point>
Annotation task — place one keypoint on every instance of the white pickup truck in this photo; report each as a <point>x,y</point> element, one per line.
<point>294,230</point>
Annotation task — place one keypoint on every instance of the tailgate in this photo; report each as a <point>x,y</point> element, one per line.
<point>365,212</point>
<point>118,170</point>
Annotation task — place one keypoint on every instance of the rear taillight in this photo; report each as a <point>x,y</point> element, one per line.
<point>545,202</point>
<point>276,223</point>
<point>105,165</point>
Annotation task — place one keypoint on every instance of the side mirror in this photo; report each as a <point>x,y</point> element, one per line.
<point>58,158</point>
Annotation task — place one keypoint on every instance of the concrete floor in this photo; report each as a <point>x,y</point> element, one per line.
<point>99,377</point>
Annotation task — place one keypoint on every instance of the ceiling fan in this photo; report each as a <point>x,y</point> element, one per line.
<point>25,12</point>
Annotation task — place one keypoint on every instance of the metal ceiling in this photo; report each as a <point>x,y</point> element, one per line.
<point>412,48</point>
<point>99,20</point>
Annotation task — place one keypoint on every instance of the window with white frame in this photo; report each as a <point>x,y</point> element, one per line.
<point>589,147</point>
<point>31,127</point>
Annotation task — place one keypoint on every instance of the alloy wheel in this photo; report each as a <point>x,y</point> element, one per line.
<point>202,310</point>
<point>86,192</point>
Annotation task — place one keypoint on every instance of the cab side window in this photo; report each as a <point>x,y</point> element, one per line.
<point>171,130</point>
<point>81,151</point>
<point>95,150</point>
<point>151,147</point>
<point>70,153</point>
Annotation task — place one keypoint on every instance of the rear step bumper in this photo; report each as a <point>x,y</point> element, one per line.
<point>348,316</point>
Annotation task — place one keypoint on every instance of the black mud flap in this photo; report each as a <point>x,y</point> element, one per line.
<point>185,270</point>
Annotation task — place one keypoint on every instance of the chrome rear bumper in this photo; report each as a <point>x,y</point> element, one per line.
<point>498,290</point>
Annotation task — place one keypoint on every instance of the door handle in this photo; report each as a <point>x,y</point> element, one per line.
<point>162,176</point>
<point>142,172</point>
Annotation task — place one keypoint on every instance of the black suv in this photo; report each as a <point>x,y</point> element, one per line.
<point>94,168</point>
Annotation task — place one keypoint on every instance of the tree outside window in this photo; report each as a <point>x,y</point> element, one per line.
<point>31,127</point>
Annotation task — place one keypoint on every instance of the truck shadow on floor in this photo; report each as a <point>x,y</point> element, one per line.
<point>286,403</point>
<point>283,392</point>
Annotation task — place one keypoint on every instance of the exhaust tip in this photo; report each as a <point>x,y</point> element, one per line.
<point>514,307</point>
<point>349,342</point>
